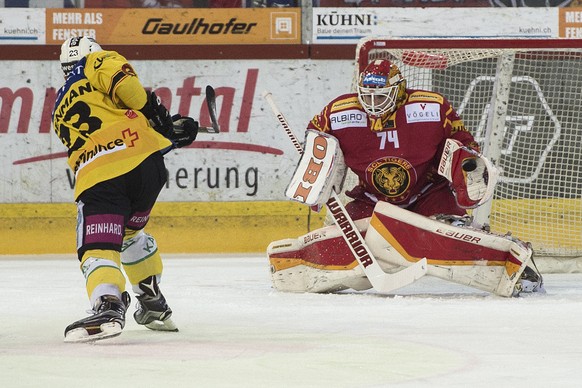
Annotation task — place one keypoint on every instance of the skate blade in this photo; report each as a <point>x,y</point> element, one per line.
<point>80,335</point>
<point>167,325</point>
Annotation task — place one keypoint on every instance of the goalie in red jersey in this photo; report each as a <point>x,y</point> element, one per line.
<point>392,138</point>
<point>409,148</point>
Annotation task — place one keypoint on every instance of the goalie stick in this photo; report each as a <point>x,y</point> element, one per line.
<point>211,103</point>
<point>381,281</point>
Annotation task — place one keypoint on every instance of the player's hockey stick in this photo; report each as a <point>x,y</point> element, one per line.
<point>380,280</point>
<point>211,103</point>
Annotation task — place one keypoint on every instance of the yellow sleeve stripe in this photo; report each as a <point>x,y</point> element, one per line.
<point>424,96</point>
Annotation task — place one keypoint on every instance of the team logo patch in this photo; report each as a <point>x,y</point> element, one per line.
<point>75,41</point>
<point>130,137</point>
<point>391,176</point>
<point>127,69</point>
<point>423,112</point>
<point>98,63</point>
<point>131,114</point>
<point>348,118</point>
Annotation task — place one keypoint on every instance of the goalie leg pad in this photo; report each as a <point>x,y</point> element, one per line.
<point>301,277</point>
<point>319,261</point>
<point>463,255</point>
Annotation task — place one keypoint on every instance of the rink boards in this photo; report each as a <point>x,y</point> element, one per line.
<point>183,227</point>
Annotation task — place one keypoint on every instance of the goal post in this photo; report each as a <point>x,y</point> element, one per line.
<point>522,100</point>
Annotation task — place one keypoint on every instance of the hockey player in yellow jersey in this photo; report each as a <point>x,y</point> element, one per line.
<point>116,134</point>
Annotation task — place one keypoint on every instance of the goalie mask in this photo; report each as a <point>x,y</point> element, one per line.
<point>74,49</point>
<point>381,87</point>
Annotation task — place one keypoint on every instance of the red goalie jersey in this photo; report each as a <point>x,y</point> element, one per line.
<point>396,155</point>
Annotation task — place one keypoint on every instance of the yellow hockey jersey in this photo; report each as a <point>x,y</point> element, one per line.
<point>96,116</point>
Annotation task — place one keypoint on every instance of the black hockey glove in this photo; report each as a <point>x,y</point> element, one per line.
<point>184,131</point>
<point>158,115</point>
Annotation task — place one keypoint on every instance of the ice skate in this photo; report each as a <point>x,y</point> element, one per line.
<point>107,321</point>
<point>531,281</point>
<point>152,310</point>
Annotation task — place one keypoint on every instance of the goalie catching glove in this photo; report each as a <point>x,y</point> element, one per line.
<point>180,130</point>
<point>473,177</point>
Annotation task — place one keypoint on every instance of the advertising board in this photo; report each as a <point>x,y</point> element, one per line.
<point>176,26</point>
<point>22,26</point>
<point>251,159</point>
<point>348,25</point>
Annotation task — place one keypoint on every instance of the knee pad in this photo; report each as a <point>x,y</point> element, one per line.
<point>140,256</point>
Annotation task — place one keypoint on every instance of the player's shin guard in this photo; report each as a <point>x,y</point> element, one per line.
<point>102,274</point>
<point>140,257</point>
<point>143,266</point>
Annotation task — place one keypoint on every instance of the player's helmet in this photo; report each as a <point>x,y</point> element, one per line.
<point>381,87</point>
<point>73,49</point>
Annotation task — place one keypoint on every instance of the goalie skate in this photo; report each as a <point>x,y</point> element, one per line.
<point>107,321</point>
<point>530,281</point>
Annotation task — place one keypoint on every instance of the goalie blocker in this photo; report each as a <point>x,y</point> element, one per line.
<point>320,261</point>
<point>320,170</point>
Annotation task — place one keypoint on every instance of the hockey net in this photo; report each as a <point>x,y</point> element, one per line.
<point>522,100</point>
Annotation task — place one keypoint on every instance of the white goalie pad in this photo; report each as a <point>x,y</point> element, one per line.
<point>319,261</point>
<point>320,171</point>
<point>472,175</point>
<point>463,255</point>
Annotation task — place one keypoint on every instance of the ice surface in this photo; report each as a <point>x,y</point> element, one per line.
<point>235,331</point>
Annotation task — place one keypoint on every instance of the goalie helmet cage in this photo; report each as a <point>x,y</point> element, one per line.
<point>522,100</point>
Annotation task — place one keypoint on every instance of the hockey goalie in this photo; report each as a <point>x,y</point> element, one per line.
<point>419,171</point>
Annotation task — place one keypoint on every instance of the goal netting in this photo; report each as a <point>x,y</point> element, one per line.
<point>522,100</point>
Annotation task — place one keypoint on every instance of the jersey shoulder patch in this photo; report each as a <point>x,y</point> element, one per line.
<point>96,60</point>
<point>107,62</point>
<point>346,112</point>
<point>425,96</point>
